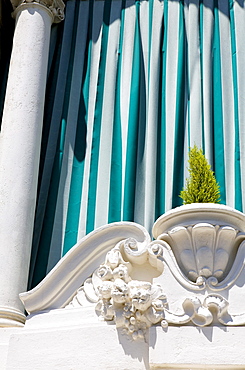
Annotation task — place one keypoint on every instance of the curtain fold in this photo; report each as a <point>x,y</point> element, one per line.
<point>131,86</point>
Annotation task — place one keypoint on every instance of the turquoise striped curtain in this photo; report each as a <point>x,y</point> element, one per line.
<point>131,86</point>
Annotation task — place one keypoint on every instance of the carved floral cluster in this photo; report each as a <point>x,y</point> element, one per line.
<point>134,305</point>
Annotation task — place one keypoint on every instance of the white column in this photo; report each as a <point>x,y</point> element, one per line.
<point>20,141</point>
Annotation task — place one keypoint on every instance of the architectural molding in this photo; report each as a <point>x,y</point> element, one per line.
<point>140,283</point>
<point>56,7</point>
<point>61,284</point>
<point>9,316</point>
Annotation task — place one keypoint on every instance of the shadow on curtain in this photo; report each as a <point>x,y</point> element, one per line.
<point>131,86</point>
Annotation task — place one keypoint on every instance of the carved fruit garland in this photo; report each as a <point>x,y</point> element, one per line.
<point>194,264</point>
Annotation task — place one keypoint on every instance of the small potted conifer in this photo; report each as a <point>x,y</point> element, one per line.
<point>201,186</point>
<point>203,234</point>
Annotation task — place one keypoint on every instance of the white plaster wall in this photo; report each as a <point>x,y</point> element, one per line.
<point>189,347</point>
<point>74,339</point>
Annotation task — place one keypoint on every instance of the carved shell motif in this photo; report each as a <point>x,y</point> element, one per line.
<point>204,250</point>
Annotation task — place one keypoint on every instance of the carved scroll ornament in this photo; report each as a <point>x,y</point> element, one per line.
<point>56,7</point>
<point>135,305</point>
<point>191,274</point>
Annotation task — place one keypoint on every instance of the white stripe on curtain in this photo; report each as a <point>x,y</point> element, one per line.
<point>207,71</point>
<point>168,73</point>
<point>227,100</point>
<point>239,18</point>
<point>171,88</point>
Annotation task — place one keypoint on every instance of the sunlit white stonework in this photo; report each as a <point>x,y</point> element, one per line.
<point>56,7</point>
<point>192,273</point>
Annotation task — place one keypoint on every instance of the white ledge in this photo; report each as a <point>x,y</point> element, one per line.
<point>202,212</point>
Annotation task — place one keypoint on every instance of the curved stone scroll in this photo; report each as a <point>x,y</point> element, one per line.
<point>136,283</point>
<point>60,285</point>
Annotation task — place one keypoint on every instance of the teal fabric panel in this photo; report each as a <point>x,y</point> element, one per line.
<point>217,108</point>
<point>97,120</point>
<point>237,180</point>
<point>160,200</point>
<point>75,190</point>
<point>131,86</point>
<point>134,120</point>
<point>181,110</point>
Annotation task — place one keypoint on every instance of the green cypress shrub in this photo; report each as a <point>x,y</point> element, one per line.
<point>201,186</point>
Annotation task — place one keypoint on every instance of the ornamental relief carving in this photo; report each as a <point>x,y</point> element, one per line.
<point>56,7</point>
<point>191,274</point>
<point>135,305</point>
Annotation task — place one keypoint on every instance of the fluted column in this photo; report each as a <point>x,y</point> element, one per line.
<point>20,141</point>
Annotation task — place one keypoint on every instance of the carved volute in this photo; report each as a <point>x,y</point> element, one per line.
<point>56,7</point>
<point>189,274</point>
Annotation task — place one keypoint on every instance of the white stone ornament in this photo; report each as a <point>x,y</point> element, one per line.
<point>134,305</point>
<point>56,7</point>
<point>193,273</point>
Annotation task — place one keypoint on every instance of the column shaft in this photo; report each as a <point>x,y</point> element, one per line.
<point>20,142</point>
